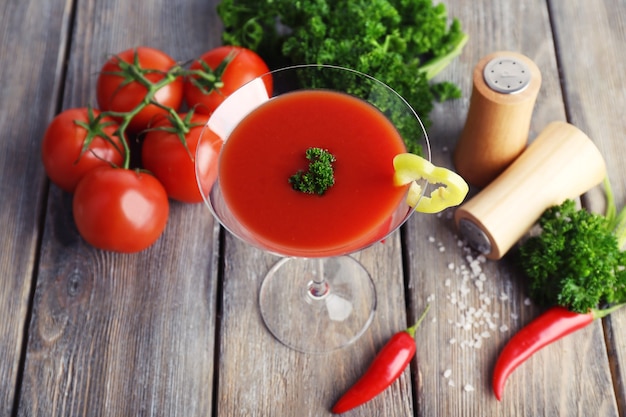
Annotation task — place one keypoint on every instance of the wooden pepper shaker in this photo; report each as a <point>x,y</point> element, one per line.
<point>505,88</point>
<point>561,163</point>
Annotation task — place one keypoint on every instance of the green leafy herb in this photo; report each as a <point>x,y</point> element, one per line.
<point>577,261</point>
<point>319,177</point>
<point>403,43</point>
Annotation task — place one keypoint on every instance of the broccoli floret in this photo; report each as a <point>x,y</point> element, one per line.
<point>320,175</point>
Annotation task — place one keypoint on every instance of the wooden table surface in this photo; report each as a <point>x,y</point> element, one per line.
<point>175,330</point>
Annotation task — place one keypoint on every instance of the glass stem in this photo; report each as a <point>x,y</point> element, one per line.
<point>318,287</point>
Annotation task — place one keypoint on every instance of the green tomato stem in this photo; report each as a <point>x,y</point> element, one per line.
<point>137,75</point>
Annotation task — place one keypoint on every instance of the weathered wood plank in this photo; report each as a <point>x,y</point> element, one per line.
<point>125,334</point>
<point>258,376</point>
<point>590,39</point>
<point>456,359</point>
<point>134,334</point>
<point>33,38</point>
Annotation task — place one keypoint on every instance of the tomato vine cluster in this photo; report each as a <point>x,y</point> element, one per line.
<point>126,159</point>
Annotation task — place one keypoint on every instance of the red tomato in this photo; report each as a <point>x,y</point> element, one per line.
<point>165,155</point>
<point>244,66</point>
<point>115,94</point>
<point>120,210</point>
<point>62,145</point>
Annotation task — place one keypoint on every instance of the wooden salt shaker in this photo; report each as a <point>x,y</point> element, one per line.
<point>505,88</point>
<point>561,163</point>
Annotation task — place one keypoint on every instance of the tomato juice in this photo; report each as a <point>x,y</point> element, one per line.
<point>268,146</point>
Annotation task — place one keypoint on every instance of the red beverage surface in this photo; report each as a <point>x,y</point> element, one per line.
<point>269,146</point>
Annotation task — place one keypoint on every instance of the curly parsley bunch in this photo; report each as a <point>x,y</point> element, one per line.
<point>577,261</point>
<point>403,43</point>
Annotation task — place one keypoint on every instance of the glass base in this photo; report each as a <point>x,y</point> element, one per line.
<point>317,305</point>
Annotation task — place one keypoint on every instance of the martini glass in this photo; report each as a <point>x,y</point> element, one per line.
<point>316,298</point>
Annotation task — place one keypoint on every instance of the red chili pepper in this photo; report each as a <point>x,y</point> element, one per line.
<point>387,366</point>
<point>552,325</point>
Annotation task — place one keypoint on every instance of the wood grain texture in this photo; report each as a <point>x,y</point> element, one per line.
<point>440,269</point>
<point>119,334</point>
<point>590,39</point>
<point>557,153</point>
<point>176,330</point>
<point>109,328</point>
<point>259,376</point>
<point>32,39</point>
<point>497,124</point>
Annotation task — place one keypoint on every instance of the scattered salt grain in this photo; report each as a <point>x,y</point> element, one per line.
<point>470,292</point>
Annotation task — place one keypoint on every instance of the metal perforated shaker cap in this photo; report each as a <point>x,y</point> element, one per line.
<point>506,75</point>
<point>475,236</point>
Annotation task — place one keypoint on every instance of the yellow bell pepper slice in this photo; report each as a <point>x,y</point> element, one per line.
<point>410,168</point>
